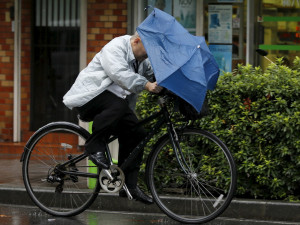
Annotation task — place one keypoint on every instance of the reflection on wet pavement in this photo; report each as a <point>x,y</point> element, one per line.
<point>11,176</point>
<point>24,215</point>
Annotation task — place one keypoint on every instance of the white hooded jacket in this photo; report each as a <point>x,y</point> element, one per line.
<point>113,65</point>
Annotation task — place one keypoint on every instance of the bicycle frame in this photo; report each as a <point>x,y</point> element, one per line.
<point>164,116</point>
<point>164,113</point>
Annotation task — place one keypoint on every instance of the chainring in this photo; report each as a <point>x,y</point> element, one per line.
<point>116,184</point>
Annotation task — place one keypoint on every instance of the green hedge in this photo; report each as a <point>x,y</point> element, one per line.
<point>257,114</point>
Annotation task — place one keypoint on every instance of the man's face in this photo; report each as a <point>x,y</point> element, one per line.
<point>139,51</point>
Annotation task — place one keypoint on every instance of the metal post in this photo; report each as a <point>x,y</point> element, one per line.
<point>83,49</point>
<point>241,32</point>
<point>136,15</point>
<point>83,34</point>
<point>17,74</point>
<point>200,18</point>
<point>250,32</point>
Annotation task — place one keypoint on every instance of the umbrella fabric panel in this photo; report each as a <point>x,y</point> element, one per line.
<point>190,91</point>
<point>159,22</point>
<point>165,57</point>
<point>181,62</point>
<point>211,68</point>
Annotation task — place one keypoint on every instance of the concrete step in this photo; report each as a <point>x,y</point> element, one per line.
<point>12,148</point>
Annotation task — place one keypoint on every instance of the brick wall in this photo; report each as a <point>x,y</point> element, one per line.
<point>106,19</point>
<point>6,71</point>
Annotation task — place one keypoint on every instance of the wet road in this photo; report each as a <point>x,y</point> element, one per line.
<point>24,215</point>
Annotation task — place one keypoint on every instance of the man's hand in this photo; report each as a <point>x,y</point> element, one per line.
<point>153,87</point>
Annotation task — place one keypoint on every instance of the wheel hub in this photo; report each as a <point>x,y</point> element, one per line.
<point>192,176</point>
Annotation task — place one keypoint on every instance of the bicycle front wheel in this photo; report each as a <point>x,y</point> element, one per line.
<point>196,183</point>
<point>45,162</point>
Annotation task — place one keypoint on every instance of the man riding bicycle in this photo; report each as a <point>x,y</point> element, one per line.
<point>104,92</point>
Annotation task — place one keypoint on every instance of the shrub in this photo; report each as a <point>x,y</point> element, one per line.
<point>257,114</point>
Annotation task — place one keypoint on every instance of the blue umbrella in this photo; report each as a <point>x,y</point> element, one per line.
<point>181,62</point>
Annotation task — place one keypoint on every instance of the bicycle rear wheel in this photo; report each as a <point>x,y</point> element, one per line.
<point>197,185</point>
<point>51,190</point>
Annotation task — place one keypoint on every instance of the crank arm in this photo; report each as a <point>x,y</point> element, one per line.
<point>129,196</point>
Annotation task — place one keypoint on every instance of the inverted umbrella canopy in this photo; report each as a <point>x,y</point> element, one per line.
<point>181,62</point>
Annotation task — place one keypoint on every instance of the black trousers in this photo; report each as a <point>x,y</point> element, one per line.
<point>112,115</point>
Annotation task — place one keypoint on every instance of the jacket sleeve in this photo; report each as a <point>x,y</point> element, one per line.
<point>113,59</point>
<point>148,72</point>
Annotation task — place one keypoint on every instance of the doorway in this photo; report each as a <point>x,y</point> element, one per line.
<point>54,60</point>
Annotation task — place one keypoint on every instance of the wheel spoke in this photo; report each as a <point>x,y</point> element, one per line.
<point>201,188</point>
<point>53,191</point>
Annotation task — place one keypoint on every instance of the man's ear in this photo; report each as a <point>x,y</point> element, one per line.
<point>137,40</point>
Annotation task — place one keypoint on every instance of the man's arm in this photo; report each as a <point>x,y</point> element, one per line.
<point>114,62</point>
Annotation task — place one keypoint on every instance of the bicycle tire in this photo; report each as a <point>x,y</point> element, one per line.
<point>54,193</point>
<point>207,187</point>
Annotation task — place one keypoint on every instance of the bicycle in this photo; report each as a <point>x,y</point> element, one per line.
<point>187,164</point>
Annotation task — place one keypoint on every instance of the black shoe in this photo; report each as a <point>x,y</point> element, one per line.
<point>138,195</point>
<point>100,160</point>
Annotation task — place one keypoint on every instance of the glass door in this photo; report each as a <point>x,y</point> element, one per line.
<point>280,28</point>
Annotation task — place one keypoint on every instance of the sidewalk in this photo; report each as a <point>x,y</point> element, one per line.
<point>11,170</point>
<point>12,191</point>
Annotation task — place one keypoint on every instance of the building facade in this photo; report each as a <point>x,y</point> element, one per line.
<point>45,43</point>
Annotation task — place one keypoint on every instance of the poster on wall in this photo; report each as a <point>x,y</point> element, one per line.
<point>223,56</point>
<point>185,14</point>
<point>220,24</point>
<point>164,5</point>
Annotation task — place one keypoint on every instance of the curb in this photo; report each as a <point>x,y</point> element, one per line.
<point>239,209</point>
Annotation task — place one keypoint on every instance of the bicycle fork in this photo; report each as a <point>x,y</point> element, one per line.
<point>174,138</point>
<point>177,149</point>
<point>176,146</point>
